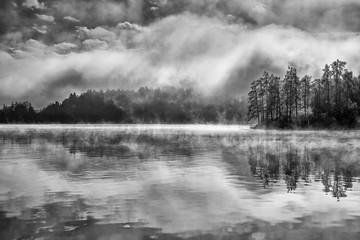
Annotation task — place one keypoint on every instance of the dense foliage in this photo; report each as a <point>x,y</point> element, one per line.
<point>18,112</point>
<point>333,100</point>
<point>166,105</point>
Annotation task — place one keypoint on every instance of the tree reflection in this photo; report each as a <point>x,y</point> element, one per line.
<point>295,166</point>
<point>326,180</point>
<point>272,158</point>
<point>264,165</point>
<point>291,169</point>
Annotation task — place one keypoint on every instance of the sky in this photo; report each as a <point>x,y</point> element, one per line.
<point>50,48</point>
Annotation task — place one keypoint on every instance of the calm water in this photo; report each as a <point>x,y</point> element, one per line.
<point>178,182</point>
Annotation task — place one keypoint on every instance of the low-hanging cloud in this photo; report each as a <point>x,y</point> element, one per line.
<point>221,48</point>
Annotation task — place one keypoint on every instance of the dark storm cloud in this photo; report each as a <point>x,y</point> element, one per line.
<point>60,47</point>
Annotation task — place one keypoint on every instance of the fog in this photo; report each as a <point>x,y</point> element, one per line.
<point>49,49</point>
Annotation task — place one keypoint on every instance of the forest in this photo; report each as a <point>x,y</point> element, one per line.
<point>331,101</point>
<point>146,105</point>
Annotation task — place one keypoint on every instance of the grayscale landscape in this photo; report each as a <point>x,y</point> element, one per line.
<point>179,119</point>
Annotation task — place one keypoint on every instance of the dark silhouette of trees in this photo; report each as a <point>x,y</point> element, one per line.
<point>253,102</point>
<point>290,94</point>
<point>333,100</point>
<point>18,112</point>
<point>264,99</point>
<point>305,88</point>
<point>147,105</point>
<point>274,104</point>
<point>88,107</point>
<point>316,99</point>
<point>337,73</point>
<point>326,82</point>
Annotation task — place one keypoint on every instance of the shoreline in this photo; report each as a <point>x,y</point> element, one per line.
<point>162,126</point>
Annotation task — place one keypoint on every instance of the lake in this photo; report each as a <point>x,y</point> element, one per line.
<point>177,182</point>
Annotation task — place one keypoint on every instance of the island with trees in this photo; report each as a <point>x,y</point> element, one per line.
<point>331,101</point>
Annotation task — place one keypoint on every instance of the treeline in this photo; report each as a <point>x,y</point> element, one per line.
<point>147,105</point>
<point>332,100</point>
<point>18,112</point>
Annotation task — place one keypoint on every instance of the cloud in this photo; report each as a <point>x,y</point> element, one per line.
<point>41,29</point>
<point>31,50</point>
<point>128,26</point>
<point>322,15</point>
<point>46,18</point>
<point>220,44</point>
<point>5,58</point>
<point>101,34</point>
<point>211,54</point>
<point>94,12</point>
<point>34,4</point>
<point>96,33</point>
<point>315,16</point>
<point>65,47</point>
<point>71,19</point>
<point>94,44</point>
<point>33,45</point>
<point>12,39</point>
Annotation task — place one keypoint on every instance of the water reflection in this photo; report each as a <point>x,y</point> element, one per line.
<point>296,165</point>
<point>169,183</point>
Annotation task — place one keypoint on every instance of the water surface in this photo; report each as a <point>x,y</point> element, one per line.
<point>177,182</point>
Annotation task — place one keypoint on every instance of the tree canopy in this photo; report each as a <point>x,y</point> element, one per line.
<point>333,100</point>
<point>146,105</point>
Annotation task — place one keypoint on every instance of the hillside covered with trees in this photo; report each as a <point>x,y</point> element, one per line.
<point>330,101</point>
<point>147,105</point>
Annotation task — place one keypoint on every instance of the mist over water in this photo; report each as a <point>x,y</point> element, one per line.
<point>177,182</point>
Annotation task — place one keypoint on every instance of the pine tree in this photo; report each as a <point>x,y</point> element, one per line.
<point>305,94</point>
<point>290,93</point>
<point>316,98</point>
<point>296,91</point>
<point>277,95</point>
<point>253,102</point>
<point>348,86</point>
<point>274,96</point>
<point>337,71</point>
<point>326,82</point>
